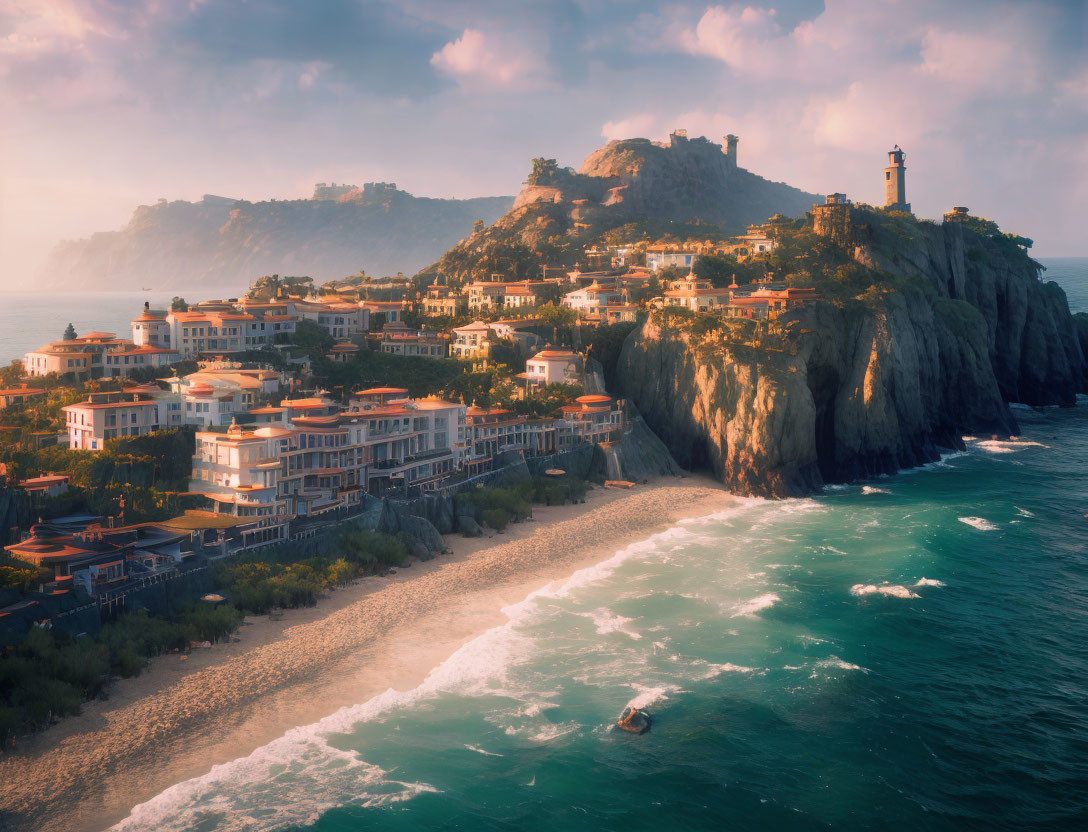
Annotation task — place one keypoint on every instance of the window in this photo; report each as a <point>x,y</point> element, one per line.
<point>887,174</point>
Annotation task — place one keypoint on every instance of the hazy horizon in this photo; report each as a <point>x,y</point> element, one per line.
<point>111,107</point>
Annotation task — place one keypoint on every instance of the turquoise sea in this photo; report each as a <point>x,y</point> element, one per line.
<point>905,653</point>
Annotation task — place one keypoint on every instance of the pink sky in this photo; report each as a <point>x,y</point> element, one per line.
<point>108,105</point>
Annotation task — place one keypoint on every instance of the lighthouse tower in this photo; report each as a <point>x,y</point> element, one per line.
<point>895,182</point>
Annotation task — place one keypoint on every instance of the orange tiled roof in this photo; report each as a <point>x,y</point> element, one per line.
<point>381,391</point>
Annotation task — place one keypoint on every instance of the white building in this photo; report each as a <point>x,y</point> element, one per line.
<point>472,341</point>
<point>554,367</point>
<point>320,462</point>
<point>486,296</point>
<point>592,298</point>
<point>660,258</point>
<point>106,416</point>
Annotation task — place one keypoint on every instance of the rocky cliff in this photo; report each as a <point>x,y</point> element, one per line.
<point>226,243</point>
<point>953,326</point>
<point>688,187</point>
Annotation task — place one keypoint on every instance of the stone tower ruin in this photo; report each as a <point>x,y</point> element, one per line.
<point>895,182</point>
<point>731,149</point>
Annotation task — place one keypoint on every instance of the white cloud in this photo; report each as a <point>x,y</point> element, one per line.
<point>747,39</point>
<point>310,73</point>
<point>480,60</point>
<point>979,62</point>
<point>640,125</point>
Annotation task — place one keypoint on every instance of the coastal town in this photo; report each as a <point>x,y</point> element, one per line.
<point>581,416</point>
<point>276,455</point>
<point>284,412</point>
<point>244,455</point>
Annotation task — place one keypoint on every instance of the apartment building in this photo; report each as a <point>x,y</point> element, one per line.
<point>441,300</point>
<point>84,357</point>
<point>211,330</point>
<point>106,416</point>
<point>423,343</point>
<point>321,459</point>
<point>486,296</point>
<point>592,418</point>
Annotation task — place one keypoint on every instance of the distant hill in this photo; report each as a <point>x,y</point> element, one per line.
<point>627,190</point>
<point>225,243</point>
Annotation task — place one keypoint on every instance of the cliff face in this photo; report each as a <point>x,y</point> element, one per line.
<point>868,386</point>
<point>224,243</point>
<point>689,182</point>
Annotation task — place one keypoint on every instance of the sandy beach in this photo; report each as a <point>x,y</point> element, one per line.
<point>179,718</point>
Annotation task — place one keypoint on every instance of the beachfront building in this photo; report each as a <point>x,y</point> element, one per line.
<point>239,471</point>
<point>592,418</point>
<point>89,557</point>
<point>374,397</point>
<point>98,558</point>
<point>554,367</point>
<point>320,462</point>
<point>492,430</point>
<point>105,416</point>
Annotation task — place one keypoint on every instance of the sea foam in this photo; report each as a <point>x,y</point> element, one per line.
<point>980,523</point>
<point>754,605</point>
<point>293,780</point>
<point>892,590</point>
<point>929,582</point>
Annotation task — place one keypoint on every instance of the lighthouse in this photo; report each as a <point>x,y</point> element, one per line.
<point>895,182</point>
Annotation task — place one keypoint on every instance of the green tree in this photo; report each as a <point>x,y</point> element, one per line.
<point>69,332</point>
<point>556,315</point>
<point>718,270</point>
<point>178,305</point>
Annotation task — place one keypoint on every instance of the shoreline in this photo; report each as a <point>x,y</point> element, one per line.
<point>178,719</point>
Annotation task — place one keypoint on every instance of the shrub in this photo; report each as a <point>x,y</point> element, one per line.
<point>128,663</point>
<point>496,518</point>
